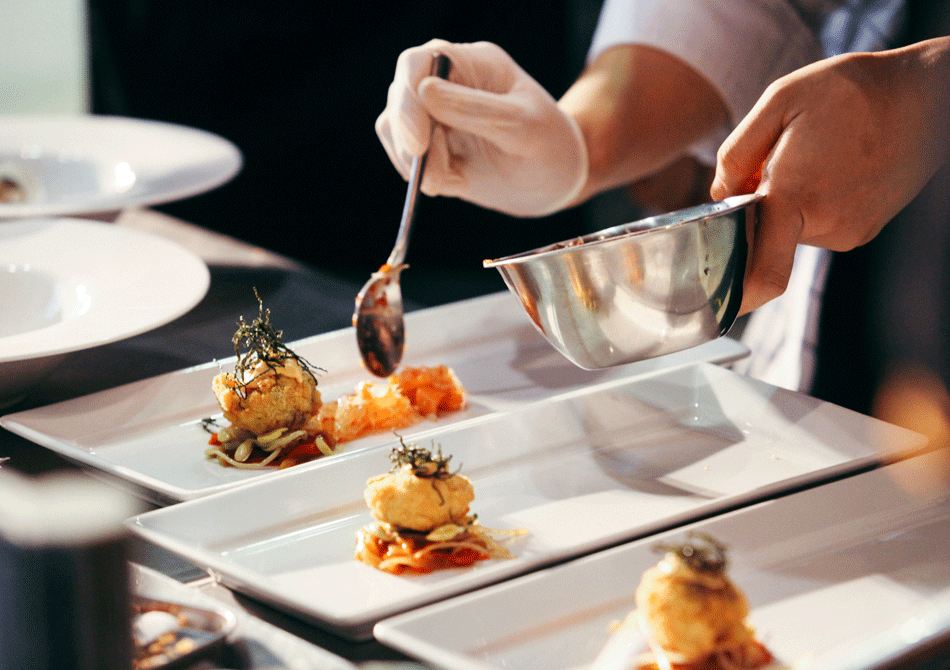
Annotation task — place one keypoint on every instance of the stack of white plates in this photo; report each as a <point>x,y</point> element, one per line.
<point>67,284</point>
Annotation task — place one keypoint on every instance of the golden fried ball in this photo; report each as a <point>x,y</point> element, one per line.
<point>284,397</point>
<point>404,500</point>
<point>690,614</point>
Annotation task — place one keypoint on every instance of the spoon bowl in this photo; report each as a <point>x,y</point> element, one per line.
<point>380,328</point>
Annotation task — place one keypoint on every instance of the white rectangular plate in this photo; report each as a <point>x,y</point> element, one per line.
<point>148,434</point>
<point>578,473</point>
<point>843,576</point>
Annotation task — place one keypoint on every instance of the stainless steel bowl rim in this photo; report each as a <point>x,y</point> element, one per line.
<point>689,215</point>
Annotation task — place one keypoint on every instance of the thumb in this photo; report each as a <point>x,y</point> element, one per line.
<point>741,156</point>
<point>772,253</point>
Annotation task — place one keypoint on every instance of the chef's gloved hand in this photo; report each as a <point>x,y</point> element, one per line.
<point>501,141</point>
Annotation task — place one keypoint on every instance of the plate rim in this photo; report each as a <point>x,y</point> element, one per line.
<point>231,164</point>
<point>24,347</point>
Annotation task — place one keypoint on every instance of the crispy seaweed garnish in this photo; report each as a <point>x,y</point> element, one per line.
<point>424,462</point>
<point>701,552</point>
<point>259,342</point>
<point>210,425</point>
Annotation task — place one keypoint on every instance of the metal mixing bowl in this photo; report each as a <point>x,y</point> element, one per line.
<point>638,290</point>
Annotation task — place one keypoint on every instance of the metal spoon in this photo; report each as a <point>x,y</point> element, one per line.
<point>378,318</point>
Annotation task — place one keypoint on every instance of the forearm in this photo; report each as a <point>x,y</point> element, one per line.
<point>639,109</point>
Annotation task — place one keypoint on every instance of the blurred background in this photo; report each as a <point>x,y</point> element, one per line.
<point>44,57</point>
<point>298,86</point>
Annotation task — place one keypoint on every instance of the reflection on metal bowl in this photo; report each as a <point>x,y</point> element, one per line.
<point>639,290</point>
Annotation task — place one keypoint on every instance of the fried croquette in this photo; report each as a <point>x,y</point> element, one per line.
<point>281,396</point>
<point>406,500</point>
<point>691,614</point>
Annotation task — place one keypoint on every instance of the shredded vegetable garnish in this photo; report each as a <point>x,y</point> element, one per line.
<point>399,551</point>
<point>241,449</point>
<point>749,655</point>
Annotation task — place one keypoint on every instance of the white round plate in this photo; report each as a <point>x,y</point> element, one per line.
<point>80,164</point>
<point>68,284</point>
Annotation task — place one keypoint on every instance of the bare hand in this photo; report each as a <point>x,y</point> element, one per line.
<point>842,146</point>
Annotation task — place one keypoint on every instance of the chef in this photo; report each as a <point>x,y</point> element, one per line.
<point>666,82</point>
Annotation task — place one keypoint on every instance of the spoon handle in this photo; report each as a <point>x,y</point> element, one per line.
<point>440,68</point>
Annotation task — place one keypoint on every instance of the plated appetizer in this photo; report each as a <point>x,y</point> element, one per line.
<point>423,520</point>
<point>277,415</point>
<point>692,615</point>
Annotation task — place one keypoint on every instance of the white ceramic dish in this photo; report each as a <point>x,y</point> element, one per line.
<point>579,473</point>
<point>68,284</point>
<point>80,164</point>
<point>149,433</point>
<point>258,643</point>
<point>844,576</point>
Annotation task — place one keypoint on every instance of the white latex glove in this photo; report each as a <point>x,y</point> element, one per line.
<point>501,141</point>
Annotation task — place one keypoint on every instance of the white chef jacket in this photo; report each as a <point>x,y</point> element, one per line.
<point>740,47</point>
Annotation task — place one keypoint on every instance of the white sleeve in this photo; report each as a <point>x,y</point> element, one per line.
<point>739,46</point>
